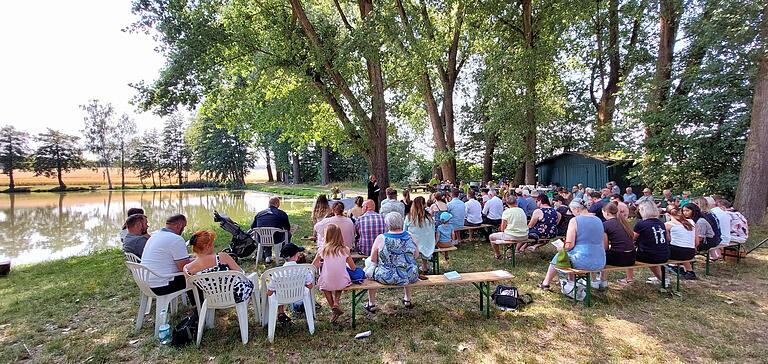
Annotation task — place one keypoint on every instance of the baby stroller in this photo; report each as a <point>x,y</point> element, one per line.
<point>242,244</point>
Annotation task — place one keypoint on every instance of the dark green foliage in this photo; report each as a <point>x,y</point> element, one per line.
<point>58,153</point>
<point>14,151</point>
<point>220,152</point>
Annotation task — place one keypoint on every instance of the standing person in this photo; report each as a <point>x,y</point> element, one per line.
<point>395,254</point>
<point>368,227</point>
<point>512,226</point>
<point>473,210</point>
<point>492,213</point>
<point>420,225</point>
<point>433,183</point>
<point>596,207</point>
<point>357,210</point>
<point>335,258</point>
<point>391,203</point>
<point>407,201</point>
<point>629,197</point>
<point>583,244</point>
<point>651,238</point>
<point>166,254</point>
<point>458,210</point>
<point>683,240</point>
<point>137,236</point>
<point>619,247</point>
<point>272,216</point>
<point>343,223</point>
<point>373,190</point>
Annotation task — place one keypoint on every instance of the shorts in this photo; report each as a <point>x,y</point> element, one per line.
<point>644,257</point>
<point>620,259</point>
<point>680,253</point>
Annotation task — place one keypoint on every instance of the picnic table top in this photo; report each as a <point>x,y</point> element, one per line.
<point>438,280</point>
<point>467,227</point>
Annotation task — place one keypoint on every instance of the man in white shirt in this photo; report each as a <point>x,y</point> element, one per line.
<point>492,212</point>
<point>724,218</point>
<point>391,204</point>
<point>474,211</point>
<point>166,254</point>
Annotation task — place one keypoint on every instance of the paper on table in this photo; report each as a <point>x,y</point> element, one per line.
<point>557,243</point>
<point>452,275</point>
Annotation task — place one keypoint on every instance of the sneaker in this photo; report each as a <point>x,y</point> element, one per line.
<point>268,260</point>
<point>690,275</point>
<point>654,280</point>
<point>283,319</point>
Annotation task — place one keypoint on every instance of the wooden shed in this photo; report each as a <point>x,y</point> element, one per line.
<point>570,168</point>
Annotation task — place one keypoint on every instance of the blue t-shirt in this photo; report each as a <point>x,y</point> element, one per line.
<point>445,231</point>
<point>523,204</point>
<point>457,209</point>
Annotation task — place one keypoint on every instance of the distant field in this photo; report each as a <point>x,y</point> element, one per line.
<point>89,177</point>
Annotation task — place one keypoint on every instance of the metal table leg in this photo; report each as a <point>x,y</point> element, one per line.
<point>357,297</point>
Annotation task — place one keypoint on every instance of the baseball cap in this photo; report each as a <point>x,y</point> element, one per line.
<point>290,250</point>
<point>445,216</point>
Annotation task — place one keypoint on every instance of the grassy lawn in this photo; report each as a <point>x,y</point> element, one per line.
<point>82,309</point>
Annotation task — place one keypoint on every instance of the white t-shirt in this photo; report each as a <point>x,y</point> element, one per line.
<point>681,237</point>
<point>494,208</point>
<point>474,211</point>
<point>724,218</point>
<point>161,253</point>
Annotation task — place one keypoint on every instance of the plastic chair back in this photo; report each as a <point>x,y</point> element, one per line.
<point>266,235</point>
<point>289,282</point>
<point>133,258</point>
<point>218,287</point>
<point>141,275</point>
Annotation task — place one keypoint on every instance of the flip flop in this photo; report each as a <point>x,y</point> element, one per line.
<point>407,304</point>
<point>370,308</point>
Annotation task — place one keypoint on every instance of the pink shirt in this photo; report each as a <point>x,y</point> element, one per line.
<point>344,223</point>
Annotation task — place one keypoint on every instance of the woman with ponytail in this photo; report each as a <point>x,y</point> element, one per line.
<point>683,240</point>
<point>619,245</point>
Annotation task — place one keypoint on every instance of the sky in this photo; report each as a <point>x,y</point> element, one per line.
<point>57,55</point>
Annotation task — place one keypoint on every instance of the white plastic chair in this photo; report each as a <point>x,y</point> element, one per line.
<point>133,258</point>
<point>218,293</point>
<point>266,238</point>
<point>141,275</point>
<point>290,286</point>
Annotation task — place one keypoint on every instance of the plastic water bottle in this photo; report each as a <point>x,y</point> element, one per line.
<point>165,329</point>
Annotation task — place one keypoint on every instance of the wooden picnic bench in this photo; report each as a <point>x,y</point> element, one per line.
<point>471,230</point>
<point>417,188</point>
<point>586,275</point>
<point>732,249</point>
<point>512,245</point>
<point>481,281</point>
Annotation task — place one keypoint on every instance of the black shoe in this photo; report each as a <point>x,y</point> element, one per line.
<point>283,319</point>
<point>691,276</point>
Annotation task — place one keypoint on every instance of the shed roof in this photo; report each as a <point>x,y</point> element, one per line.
<point>600,157</point>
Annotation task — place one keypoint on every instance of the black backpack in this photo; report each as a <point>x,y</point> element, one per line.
<point>507,297</point>
<point>185,332</point>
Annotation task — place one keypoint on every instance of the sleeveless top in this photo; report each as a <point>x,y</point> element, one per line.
<point>397,264</point>
<point>588,253</point>
<point>547,225</point>
<point>334,275</point>
<point>681,237</point>
<point>242,289</point>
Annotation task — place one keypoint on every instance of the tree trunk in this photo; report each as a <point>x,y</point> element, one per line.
<point>324,178</point>
<point>109,178</point>
<point>530,93</point>
<point>122,166</point>
<point>270,177</point>
<point>296,171</point>
<point>58,175</point>
<point>520,174</point>
<point>668,23</point>
<point>490,146</point>
<point>751,194</point>
<point>11,184</point>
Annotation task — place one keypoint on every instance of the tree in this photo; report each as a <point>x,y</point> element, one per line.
<point>174,154</point>
<point>14,151</point>
<point>125,128</point>
<point>57,154</point>
<point>145,159</point>
<point>99,133</point>
<point>751,195</point>
<point>219,152</point>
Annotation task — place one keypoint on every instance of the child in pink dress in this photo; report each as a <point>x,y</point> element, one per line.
<point>335,259</point>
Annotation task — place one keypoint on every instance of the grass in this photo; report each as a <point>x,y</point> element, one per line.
<point>308,190</point>
<point>81,309</point>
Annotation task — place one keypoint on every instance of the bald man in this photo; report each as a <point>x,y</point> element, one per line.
<point>272,216</point>
<point>367,227</point>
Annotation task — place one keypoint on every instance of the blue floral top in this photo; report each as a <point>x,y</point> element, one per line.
<point>397,263</point>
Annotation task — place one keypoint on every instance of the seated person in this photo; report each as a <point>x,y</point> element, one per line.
<point>543,224</point>
<point>473,210</point>
<point>357,210</point>
<point>444,234</point>
<point>291,253</point>
<point>651,238</point>
<point>207,261</point>
<point>583,243</point>
<point>335,260</point>
<point>391,203</point>
<point>166,254</point>
<point>344,223</point>
<point>512,226</point>
<point>619,202</point>
<point>619,247</point>
<point>561,205</point>
<point>683,241</point>
<point>137,236</point>
<point>131,211</point>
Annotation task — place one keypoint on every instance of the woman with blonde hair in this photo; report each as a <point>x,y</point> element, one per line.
<point>651,238</point>
<point>321,210</point>
<point>206,261</point>
<point>335,259</point>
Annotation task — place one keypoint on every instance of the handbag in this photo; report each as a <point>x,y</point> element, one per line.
<point>357,276</point>
<point>506,297</point>
<point>562,261</point>
<point>185,332</point>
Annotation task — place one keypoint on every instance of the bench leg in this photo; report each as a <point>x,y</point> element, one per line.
<point>514,254</point>
<point>588,298</point>
<point>484,288</point>
<point>357,297</point>
<point>663,277</point>
<point>436,263</point>
<point>706,266</point>
<point>678,277</point>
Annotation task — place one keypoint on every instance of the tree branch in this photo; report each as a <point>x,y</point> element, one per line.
<point>343,17</point>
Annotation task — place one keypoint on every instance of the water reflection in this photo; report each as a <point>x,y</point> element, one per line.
<point>43,226</point>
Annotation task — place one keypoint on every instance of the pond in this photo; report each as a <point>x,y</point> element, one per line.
<point>36,227</point>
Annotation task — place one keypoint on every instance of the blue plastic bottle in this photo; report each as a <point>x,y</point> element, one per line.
<point>165,330</point>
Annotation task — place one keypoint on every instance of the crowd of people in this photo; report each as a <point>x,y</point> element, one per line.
<point>399,236</point>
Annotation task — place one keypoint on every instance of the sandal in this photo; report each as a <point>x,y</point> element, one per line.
<point>543,287</point>
<point>407,303</point>
<point>498,257</point>
<point>624,282</point>
<point>369,307</point>
<point>335,313</point>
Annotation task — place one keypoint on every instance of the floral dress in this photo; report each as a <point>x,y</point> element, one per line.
<point>242,289</point>
<point>397,263</point>
<point>546,227</point>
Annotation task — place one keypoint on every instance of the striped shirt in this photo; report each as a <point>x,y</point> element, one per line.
<point>368,227</point>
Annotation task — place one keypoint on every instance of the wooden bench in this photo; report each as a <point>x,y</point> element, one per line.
<point>436,258</point>
<point>356,256</point>
<point>586,275</point>
<point>512,245</point>
<point>417,188</point>
<point>481,281</point>
<point>471,230</point>
<point>732,249</point>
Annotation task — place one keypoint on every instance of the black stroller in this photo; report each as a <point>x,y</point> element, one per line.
<point>242,244</point>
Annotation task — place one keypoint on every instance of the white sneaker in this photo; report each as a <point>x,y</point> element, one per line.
<point>654,280</point>
<point>599,284</point>
<point>268,260</point>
